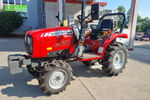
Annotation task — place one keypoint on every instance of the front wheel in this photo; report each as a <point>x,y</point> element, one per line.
<point>33,71</point>
<point>57,76</point>
<point>115,59</point>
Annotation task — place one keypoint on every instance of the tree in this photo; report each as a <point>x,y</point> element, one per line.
<point>142,24</point>
<point>121,9</point>
<point>139,24</point>
<point>9,21</point>
<point>145,24</point>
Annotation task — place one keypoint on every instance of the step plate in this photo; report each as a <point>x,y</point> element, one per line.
<point>89,56</point>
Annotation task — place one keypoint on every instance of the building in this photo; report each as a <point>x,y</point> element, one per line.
<point>29,9</point>
<point>73,8</point>
<point>42,13</point>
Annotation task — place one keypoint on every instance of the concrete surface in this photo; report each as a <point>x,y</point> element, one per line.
<point>132,84</point>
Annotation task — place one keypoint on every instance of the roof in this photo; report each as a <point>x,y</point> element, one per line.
<point>89,2</point>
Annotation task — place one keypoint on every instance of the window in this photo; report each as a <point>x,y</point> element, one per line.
<point>19,6</point>
<point>19,2</point>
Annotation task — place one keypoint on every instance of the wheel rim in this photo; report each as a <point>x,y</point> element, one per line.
<point>58,79</point>
<point>119,59</point>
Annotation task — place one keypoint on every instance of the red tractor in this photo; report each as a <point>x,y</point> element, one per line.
<point>49,50</point>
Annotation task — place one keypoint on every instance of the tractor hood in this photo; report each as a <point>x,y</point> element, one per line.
<point>37,42</point>
<point>42,34</point>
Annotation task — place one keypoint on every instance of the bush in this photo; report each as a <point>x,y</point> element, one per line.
<point>9,21</point>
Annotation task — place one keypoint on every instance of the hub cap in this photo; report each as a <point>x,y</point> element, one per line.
<point>58,79</point>
<point>119,59</point>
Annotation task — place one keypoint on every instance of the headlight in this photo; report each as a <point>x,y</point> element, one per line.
<point>29,40</point>
<point>29,44</point>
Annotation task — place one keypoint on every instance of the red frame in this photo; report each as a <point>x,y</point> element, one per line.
<point>41,41</point>
<point>97,45</point>
<point>78,2</point>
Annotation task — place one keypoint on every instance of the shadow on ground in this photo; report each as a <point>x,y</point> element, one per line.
<point>141,53</point>
<point>19,87</point>
<point>81,70</point>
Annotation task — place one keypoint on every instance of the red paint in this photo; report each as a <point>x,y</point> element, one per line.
<point>78,2</point>
<point>42,42</point>
<point>45,38</point>
<point>96,44</point>
<point>131,49</point>
<point>88,59</point>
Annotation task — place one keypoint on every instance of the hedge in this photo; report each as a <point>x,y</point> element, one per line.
<point>9,21</point>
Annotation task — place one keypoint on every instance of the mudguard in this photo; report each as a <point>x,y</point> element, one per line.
<point>112,38</point>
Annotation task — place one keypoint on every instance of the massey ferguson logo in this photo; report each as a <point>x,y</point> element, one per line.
<point>57,33</point>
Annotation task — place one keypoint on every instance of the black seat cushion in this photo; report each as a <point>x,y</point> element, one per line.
<point>106,24</point>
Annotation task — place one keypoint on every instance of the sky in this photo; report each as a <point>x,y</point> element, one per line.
<point>144,7</point>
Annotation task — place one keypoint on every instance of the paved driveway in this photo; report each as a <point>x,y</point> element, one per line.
<point>132,84</point>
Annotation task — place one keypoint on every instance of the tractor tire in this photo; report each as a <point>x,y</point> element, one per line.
<point>115,59</point>
<point>33,72</point>
<point>57,75</point>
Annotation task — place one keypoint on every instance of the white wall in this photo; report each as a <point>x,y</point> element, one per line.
<point>51,12</point>
<point>32,14</point>
<point>35,17</point>
<point>32,21</point>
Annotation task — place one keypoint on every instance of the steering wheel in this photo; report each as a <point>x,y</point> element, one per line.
<point>79,17</point>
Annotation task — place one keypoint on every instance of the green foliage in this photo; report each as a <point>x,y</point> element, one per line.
<point>121,9</point>
<point>139,24</point>
<point>9,21</point>
<point>142,24</point>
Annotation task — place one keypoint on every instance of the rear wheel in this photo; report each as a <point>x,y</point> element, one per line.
<point>57,75</point>
<point>115,59</point>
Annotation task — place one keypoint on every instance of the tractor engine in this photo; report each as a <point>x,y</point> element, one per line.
<point>52,42</point>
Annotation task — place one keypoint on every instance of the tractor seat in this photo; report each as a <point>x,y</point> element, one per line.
<point>104,24</point>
